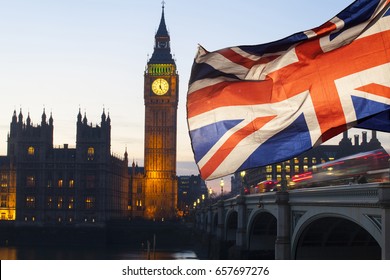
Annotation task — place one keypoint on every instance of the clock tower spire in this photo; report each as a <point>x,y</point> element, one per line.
<point>161,99</point>
<point>162,49</point>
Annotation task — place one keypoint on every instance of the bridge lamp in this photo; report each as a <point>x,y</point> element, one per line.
<point>221,184</point>
<point>242,173</point>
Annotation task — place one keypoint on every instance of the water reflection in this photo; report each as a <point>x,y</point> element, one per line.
<point>90,253</point>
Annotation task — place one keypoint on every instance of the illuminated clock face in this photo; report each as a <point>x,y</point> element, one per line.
<point>160,86</point>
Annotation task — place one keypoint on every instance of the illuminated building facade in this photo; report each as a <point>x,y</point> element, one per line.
<point>158,193</point>
<point>192,189</point>
<point>63,186</point>
<point>307,160</point>
<point>45,185</point>
<point>7,190</point>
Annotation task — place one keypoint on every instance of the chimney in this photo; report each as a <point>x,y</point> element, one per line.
<point>356,140</point>
<point>364,136</point>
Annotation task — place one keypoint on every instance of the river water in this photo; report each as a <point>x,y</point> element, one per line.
<point>90,253</point>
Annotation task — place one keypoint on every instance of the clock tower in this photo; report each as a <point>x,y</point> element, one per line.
<point>161,95</point>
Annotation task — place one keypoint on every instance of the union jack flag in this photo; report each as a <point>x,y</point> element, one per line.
<point>251,106</point>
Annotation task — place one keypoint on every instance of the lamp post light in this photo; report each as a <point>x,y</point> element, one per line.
<point>242,189</point>
<point>284,180</point>
<point>221,184</point>
<point>210,195</point>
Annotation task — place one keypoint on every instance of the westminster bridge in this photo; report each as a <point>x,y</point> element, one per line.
<point>335,222</point>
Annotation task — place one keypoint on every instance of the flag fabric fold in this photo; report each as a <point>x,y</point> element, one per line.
<point>250,106</point>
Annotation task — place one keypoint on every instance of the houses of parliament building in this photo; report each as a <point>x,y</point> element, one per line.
<point>87,185</point>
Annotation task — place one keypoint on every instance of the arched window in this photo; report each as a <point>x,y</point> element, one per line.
<point>91,153</point>
<point>31,151</point>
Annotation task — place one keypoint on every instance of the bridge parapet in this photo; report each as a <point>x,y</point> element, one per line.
<point>367,205</point>
<point>366,195</point>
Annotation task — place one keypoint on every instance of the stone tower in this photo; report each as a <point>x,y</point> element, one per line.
<point>161,100</point>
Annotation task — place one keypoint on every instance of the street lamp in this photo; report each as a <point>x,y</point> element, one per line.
<point>283,179</point>
<point>221,184</point>
<point>242,189</point>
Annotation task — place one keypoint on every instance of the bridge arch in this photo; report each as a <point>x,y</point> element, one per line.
<point>231,224</point>
<point>205,222</point>
<point>261,235</point>
<point>214,224</point>
<point>334,236</point>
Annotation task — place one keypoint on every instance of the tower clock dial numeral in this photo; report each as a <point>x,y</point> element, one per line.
<point>160,86</point>
<point>162,44</point>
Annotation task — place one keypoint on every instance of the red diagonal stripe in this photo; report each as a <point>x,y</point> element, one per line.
<point>230,94</point>
<point>244,61</point>
<point>376,89</point>
<point>220,155</point>
<point>325,28</point>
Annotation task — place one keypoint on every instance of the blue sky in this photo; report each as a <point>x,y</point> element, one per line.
<point>91,54</point>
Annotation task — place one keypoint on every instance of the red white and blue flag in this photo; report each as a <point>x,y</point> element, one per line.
<point>251,106</point>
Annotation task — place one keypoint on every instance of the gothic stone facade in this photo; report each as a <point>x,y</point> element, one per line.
<point>63,186</point>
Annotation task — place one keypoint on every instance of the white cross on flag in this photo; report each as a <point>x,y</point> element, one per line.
<point>250,106</point>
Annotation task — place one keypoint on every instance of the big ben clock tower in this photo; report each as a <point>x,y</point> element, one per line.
<point>161,99</point>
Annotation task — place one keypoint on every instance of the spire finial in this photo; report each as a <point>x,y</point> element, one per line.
<point>163,4</point>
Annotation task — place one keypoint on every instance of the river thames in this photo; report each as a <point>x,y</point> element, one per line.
<point>91,253</point>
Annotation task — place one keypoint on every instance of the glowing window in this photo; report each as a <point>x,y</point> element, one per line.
<point>50,202</point>
<point>89,202</point>
<point>30,181</point>
<point>71,203</point>
<point>71,183</point>
<point>59,202</point>
<point>30,202</point>
<point>31,151</point>
<point>91,153</point>
<point>60,183</point>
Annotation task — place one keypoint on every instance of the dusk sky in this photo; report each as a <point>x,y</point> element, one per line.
<point>91,54</point>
